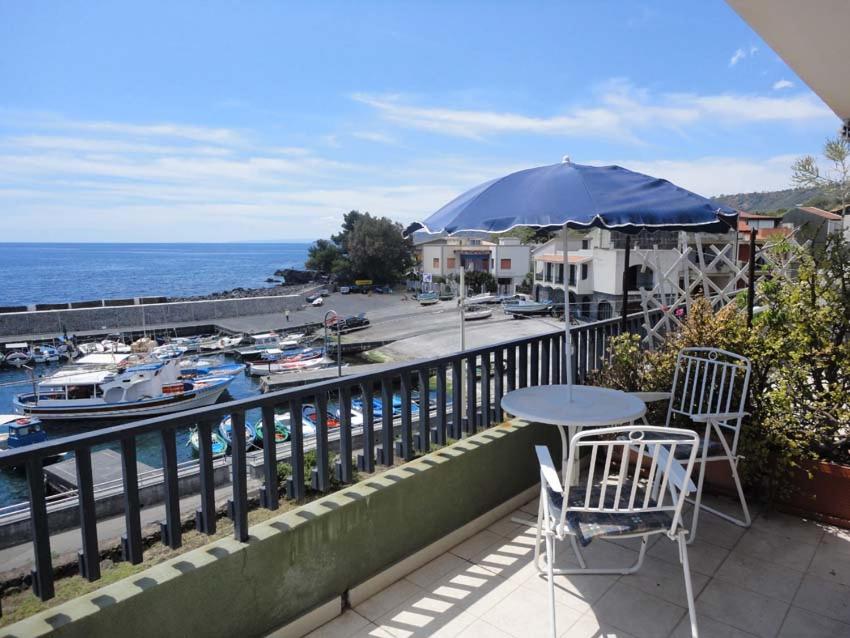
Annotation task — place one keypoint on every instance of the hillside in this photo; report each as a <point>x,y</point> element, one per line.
<point>770,201</point>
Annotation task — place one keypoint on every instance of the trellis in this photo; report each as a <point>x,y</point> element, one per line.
<point>689,277</point>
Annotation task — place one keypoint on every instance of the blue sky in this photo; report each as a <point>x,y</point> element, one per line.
<point>222,121</point>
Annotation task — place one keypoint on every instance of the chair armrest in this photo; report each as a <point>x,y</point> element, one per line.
<point>651,397</point>
<point>717,416</point>
<point>548,472</point>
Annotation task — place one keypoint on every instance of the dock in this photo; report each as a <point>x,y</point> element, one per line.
<point>282,380</point>
<point>106,468</point>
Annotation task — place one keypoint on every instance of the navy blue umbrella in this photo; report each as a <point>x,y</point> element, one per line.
<point>568,195</point>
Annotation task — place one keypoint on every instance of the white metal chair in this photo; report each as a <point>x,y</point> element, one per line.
<point>633,487</point>
<point>710,389</point>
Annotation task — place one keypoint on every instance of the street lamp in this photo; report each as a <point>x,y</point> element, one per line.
<point>338,340</point>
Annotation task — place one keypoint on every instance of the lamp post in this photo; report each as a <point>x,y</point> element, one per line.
<point>338,340</point>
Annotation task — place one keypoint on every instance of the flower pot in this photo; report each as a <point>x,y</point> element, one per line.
<point>825,496</point>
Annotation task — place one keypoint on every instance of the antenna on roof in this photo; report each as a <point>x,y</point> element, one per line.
<point>566,160</point>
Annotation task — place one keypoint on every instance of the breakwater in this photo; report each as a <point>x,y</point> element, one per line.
<point>137,316</point>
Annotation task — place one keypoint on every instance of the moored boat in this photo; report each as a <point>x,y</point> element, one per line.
<point>17,432</point>
<point>427,298</point>
<point>474,313</point>
<point>218,445</point>
<point>225,428</point>
<point>528,309</point>
<point>17,354</point>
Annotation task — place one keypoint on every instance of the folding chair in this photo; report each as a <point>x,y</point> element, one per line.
<point>614,497</point>
<point>710,389</point>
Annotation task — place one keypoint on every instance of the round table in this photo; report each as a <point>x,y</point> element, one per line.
<point>591,406</point>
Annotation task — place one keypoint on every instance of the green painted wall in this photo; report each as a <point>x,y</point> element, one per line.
<point>306,557</point>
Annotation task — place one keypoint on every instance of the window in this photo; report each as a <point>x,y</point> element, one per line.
<point>585,244</point>
<point>572,275</point>
<point>436,262</point>
<point>505,264</point>
<point>584,270</point>
<point>492,262</point>
<point>450,262</point>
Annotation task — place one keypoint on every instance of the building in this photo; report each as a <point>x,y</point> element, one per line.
<point>815,224</point>
<point>767,227</point>
<point>508,260</point>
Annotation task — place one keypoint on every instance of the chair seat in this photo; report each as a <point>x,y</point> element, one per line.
<point>586,525</point>
<point>715,448</point>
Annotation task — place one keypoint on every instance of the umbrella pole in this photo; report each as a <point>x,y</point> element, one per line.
<point>568,349</point>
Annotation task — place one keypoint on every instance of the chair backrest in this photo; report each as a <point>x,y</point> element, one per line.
<point>626,464</point>
<point>710,381</point>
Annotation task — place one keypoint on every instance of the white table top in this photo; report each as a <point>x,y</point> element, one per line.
<point>591,406</point>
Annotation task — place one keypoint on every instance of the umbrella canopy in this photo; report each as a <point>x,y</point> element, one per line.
<point>579,196</point>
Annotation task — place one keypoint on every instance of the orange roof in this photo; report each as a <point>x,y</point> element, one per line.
<point>559,259</point>
<point>820,212</point>
<point>745,215</point>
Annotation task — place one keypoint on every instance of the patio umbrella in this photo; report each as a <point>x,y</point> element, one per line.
<point>578,196</point>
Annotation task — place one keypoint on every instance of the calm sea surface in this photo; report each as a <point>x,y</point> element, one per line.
<point>52,273</point>
<point>45,273</point>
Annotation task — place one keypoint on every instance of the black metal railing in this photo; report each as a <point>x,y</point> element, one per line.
<point>422,419</point>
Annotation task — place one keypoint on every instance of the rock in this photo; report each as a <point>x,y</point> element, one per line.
<point>295,276</point>
<point>106,563</point>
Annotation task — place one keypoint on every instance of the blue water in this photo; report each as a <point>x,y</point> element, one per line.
<point>55,273</point>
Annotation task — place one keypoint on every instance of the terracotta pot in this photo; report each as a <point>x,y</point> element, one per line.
<point>826,496</point>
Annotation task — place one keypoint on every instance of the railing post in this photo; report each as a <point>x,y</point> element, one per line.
<point>170,528</point>
<point>295,484</point>
<point>486,412</point>
<point>423,436</point>
<point>387,433</point>
<point>523,365</point>
<point>471,399</point>
<point>42,575</point>
<point>319,476</point>
<point>405,450</point>
<point>440,429</point>
<point>456,431</point>
<point>556,359</point>
<point>131,541</point>
<point>498,383</point>
<point>268,493</point>
<point>366,461</point>
<point>343,468</point>
<point>89,556</point>
<point>535,362</point>
<point>545,344</point>
<point>239,504</point>
<point>205,516</point>
<point>511,352</point>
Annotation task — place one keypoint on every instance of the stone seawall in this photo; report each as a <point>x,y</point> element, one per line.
<point>56,322</point>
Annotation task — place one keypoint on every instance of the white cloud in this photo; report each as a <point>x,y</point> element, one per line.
<point>782,84</point>
<point>375,136</point>
<point>621,113</point>
<point>739,55</point>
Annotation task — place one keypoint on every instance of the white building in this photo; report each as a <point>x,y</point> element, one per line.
<point>509,261</point>
<point>596,263</point>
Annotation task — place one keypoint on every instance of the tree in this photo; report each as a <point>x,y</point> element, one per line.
<point>323,255</point>
<point>349,220</point>
<point>376,248</point>
<point>835,182</point>
<point>480,281</point>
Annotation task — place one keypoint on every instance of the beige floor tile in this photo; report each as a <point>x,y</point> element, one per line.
<point>741,608</point>
<point>388,599</point>
<point>589,626</point>
<point>831,565</point>
<point>529,508</point>
<point>708,628</point>
<point>703,557</point>
<point>506,527</point>
<point>440,566</point>
<point>792,528</point>
<point>372,631</point>
<point>507,556</point>
<point>473,589</point>
<point>600,554</point>
<point>474,545</point>
<point>824,597</point>
<point>729,505</point>
<point>716,530</point>
<point>760,576</point>
<point>645,616</point>
<point>801,623</point>
<point>665,580</point>
<point>525,613</point>
<point>343,626</point>
<point>481,629</point>
<point>427,616</point>
<point>775,549</point>
<point>576,592</point>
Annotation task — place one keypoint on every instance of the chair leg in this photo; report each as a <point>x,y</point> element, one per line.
<point>577,552</point>
<point>608,570</point>
<point>697,503</point>
<point>689,590</point>
<point>740,522</point>
<point>550,577</point>
<point>539,537</point>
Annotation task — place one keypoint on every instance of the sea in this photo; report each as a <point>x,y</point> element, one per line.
<point>54,273</point>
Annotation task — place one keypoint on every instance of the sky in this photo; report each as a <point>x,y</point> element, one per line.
<point>235,121</point>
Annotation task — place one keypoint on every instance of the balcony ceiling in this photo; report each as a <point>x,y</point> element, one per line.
<point>812,38</point>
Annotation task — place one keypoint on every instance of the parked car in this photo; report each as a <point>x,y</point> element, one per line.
<point>344,290</point>
<point>354,288</point>
<point>347,324</point>
<point>313,297</point>
<point>324,292</point>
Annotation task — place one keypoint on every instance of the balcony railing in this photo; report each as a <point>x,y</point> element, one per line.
<point>490,372</point>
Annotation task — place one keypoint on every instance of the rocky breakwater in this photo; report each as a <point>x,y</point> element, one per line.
<point>287,281</point>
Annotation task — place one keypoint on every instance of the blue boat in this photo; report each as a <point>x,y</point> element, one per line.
<point>21,432</point>
<point>219,445</point>
<point>225,428</point>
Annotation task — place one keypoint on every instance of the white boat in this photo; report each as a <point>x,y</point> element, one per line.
<point>484,298</point>
<point>133,392</point>
<point>263,367</point>
<point>474,313</point>
<point>105,345</point>
<point>528,308</point>
<point>17,354</point>
<point>44,354</point>
<point>220,343</point>
<point>258,344</point>
<point>318,301</point>
<point>191,344</point>
<point>169,351</point>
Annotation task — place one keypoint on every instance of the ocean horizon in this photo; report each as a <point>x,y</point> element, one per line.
<point>50,272</point>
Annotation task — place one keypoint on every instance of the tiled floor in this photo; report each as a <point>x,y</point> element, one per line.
<point>782,577</point>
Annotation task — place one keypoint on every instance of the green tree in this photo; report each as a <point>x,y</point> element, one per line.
<point>349,220</point>
<point>376,248</point>
<point>835,181</point>
<point>323,256</point>
<point>480,281</point>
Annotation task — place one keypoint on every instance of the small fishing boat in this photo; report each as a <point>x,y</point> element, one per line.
<point>218,445</point>
<point>133,391</point>
<point>105,345</point>
<point>257,345</point>
<point>44,354</point>
<point>474,313</point>
<point>169,351</point>
<point>198,371</point>
<point>528,309</point>
<point>427,298</point>
<point>484,298</point>
<point>220,342</point>
<point>311,415</point>
<point>17,354</point>
<point>17,432</point>
<point>281,429</point>
<point>307,358</point>
<point>191,344</point>
<point>318,301</point>
<point>225,428</point>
